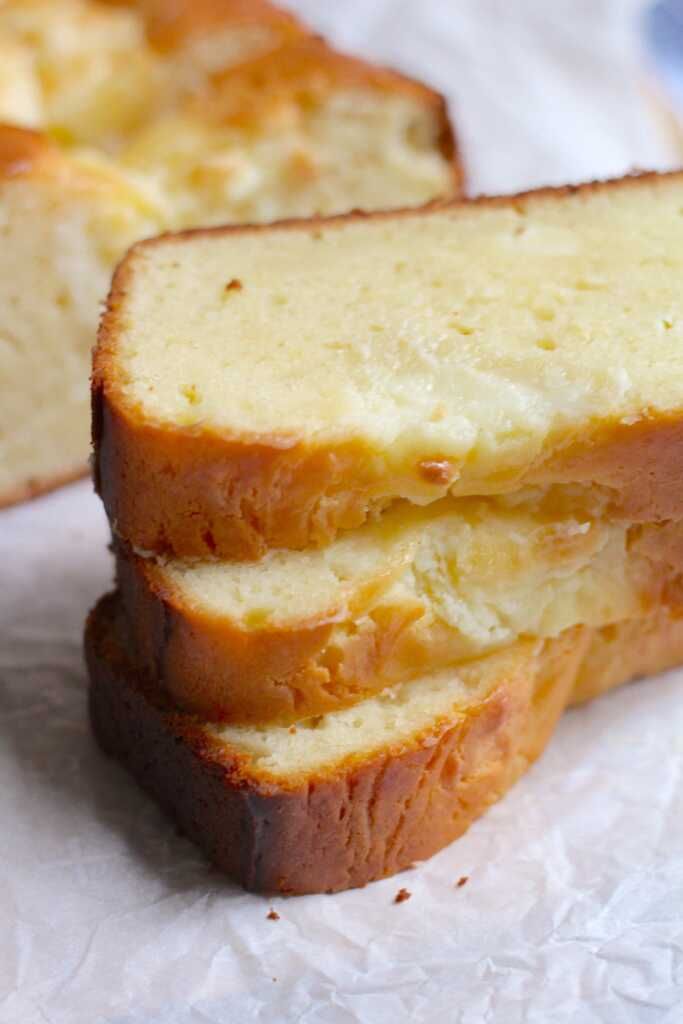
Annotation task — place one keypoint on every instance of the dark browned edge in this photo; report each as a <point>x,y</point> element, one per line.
<point>363,818</point>
<point>340,828</point>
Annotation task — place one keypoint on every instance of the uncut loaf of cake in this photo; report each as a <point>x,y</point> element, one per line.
<point>302,633</point>
<point>362,793</point>
<point>257,388</point>
<point>121,120</point>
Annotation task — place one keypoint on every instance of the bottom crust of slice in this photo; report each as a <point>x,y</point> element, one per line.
<point>370,816</point>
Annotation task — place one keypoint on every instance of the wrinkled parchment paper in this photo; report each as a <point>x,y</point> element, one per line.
<point>573,908</point>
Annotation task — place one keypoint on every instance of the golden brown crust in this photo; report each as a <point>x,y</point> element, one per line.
<point>639,463</point>
<point>193,491</point>
<point>221,670</point>
<point>219,496</point>
<point>169,23</point>
<point>215,668</point>
<point>24,151</point>
<point>651,645</point>
<point>33,158</point>
<point>307,70</point>
<point>359,822</point>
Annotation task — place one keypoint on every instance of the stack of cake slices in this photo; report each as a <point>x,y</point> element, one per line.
<point>387,493</point>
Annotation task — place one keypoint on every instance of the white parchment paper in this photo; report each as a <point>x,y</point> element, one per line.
<point>573,908</point>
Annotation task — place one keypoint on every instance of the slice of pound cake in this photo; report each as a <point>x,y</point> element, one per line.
<point>121,120</point>
<point>258,388</point>
<point>361,793</point>
<point>302,633</point>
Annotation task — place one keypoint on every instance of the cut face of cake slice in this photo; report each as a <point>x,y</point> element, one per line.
<point>266,387</point>
<point>301,633</point>
<point>64,221</point>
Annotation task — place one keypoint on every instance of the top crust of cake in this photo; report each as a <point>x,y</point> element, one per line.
<point>169,25</point>
<point>265,387</point>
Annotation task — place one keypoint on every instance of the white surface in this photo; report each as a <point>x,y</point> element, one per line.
<point>574,907</point>
<point>543,91</point>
